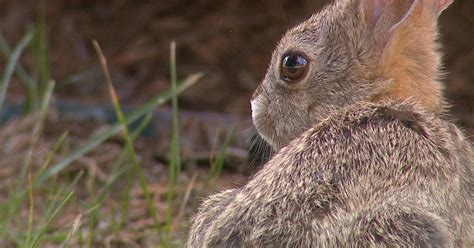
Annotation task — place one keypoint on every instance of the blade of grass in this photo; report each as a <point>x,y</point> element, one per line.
<point>175,163</point>
<point>184,203</point>
<point>10,67</point>
<point>40,50</point>
<point>116,173</point>
<point>30,210</point>
<point>37,129</point>
<point>98,201</point>
<point>49,212</point>
<point>75,227</point>
<point>216,167</point>
<point>93,215</point>
<point>17,197</point>
<point>175,111</point>
<point>125,202</point>
<point>38,237</point>
<point>92,222</point>
<point>83,76</point>
<point>129,143</point>
<point>59,197</point>
<point>28,83</point>
<point>56,192</point>
<point>52,152</point>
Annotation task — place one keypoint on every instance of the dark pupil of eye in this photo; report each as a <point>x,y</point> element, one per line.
<point>294,61</point>
<point>293,67</point>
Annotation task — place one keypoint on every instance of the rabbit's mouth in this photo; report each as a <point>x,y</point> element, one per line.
<point>261,121</point>
<point>276,128</point>
<point>265,123</point>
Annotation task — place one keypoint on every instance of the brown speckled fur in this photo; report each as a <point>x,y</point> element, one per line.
<point>366,157</point>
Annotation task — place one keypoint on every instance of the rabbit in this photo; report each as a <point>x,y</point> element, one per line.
<point>366,155</point>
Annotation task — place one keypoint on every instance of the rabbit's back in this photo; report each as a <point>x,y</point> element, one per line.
<point>374,174</point>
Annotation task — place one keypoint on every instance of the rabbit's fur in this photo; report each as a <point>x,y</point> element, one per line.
<point>376,174</point>
<point>365,154</point>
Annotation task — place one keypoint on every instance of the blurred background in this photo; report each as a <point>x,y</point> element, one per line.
<point>230,42</point>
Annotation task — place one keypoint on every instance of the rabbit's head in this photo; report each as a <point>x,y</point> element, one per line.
<point>352,51</point>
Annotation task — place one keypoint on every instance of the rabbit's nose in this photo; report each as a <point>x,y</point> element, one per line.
<point>255,109</point>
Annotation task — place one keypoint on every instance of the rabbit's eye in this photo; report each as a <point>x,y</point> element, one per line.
<point>293,67</point>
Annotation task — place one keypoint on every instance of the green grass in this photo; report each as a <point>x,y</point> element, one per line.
<point>48,191</point>
<point>11,65</point>
<point>175,160</point>
<point>40,53</point>
<point>25,79</point>
<point>129,143</point>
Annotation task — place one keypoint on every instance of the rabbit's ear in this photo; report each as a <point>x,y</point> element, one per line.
<point>386,19</point>
<point>372,9</point>
<point>403,33</point>
<point>384,15</point>
<point>437,7</point>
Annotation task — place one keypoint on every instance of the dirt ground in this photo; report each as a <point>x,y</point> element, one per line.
<point>230,41</point>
